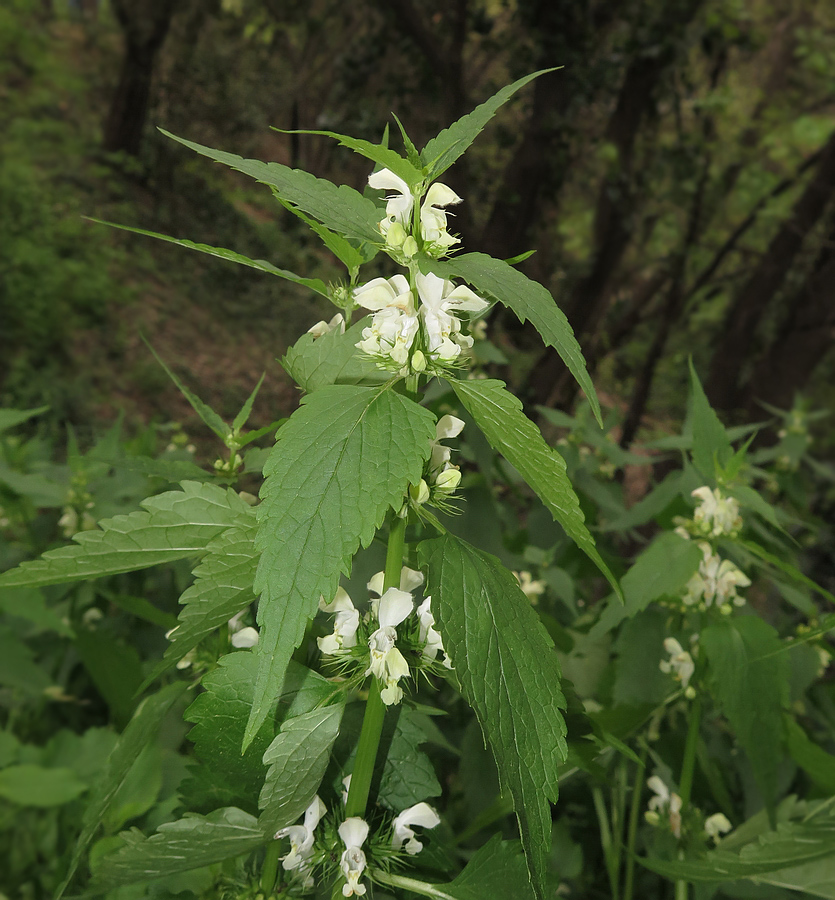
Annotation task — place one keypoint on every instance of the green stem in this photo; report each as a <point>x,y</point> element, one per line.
<point>605,838</point>
<point>688,767</point>
<point>435,891</point>
<point>375,710</point>
<point>634,813</point>
<point>269,871</point>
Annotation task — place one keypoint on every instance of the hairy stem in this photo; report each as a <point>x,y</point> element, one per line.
<point>375,710</point>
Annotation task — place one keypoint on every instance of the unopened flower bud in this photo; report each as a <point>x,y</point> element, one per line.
<point>418,361</point>
<point>409,248</point>
<point>652,817</point>
<point>396,235</point>
<point>419,492</point>
<point>448,480</point>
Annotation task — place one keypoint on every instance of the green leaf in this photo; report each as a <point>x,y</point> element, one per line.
<point>243,416</point>
<point>141,730</point>
<point>509,673</point>
<point>341,208</point>
<point>814,760</point>
<point>407,775</point>
<point>786,567</point>
<point>29,604</point>
<point>174,525</point>
<point>11,418</point>
<point>330,359</point>
<point>222,587</point>
<point>219,716</point>
<point>816,878</point>
<point>791,844</point>
<point>18,668</point>
<point>30,785</point>
<point>189,843</point>
<point>527,299</point>
<point>442,151</point>
<point>315,284</point>
<point>388,159</point>
<point>709,437</point>
<point>343,458</point>
<point>114,667</point>
<point>297,759</point>
<point>496,870</point>
<point>411,151</point>
<point>749,678</point>
<point>510,432</point>
<point>662,570</point>
<point>206,413</point>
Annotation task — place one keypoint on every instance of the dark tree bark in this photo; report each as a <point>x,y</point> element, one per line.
<point>145,24</point>
<point>736,339</point>
<point>806,336</point>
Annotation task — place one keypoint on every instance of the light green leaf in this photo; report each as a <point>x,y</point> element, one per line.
<point>219,716</point>
<point>18,668</point>
<point>11,418</point>
<point>141,730</point>
<point>30,785</point>
<point>442,151</point>
<point>662,570</point>
<point>315,284</point>
<point>341,208</point>
<point>388,159</point>
<point>189,843</point>
<point>792,844</point>
<point>509,673</point>
<point>709,437</point>
<point>174,525</point>
<point>343,459</point>
<point>510,432</point>
<point>816,878</point>
<point>243,416</point>
<point>297,759</point>
<point>222,587</point>
<point>527,299</point>
<point>330,359</point>
<point>749,678</point>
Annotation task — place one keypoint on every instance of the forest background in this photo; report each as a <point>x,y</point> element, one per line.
<point>676,179</point>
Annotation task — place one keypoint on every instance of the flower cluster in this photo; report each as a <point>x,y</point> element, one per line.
<point>441,476</point>
<point>715,582</point>
<point>680,664</point>
<point>716,515</point>
<point>388,611</point>
<point>353,833</point>
<point>665,803</point>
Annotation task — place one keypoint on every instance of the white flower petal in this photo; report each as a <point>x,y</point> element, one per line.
<point>353,832</point>
<point>394,606</point>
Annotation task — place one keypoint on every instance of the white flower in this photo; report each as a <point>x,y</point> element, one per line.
<point>387,663</point>
<point>322,327</point>
<point>394,324</point>
<point>533,590</point>
<point>345,624</point>
<point>431,639</point>
<point>301,842</point>
<point>409,580</point>
<point>717,825</point>
<point>380,293</point>
<point>438,296</point>
<point>420,814</point>
<point>245,638</point>
<point>399,203</point>
<point>433,218</point>
<point>665,801</point>
<point>680,663</point>
<point>353,832</point>
<point>716,514</point>
<point>716,580</point>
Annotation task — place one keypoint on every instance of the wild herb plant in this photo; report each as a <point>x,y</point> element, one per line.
<point>310,777</point>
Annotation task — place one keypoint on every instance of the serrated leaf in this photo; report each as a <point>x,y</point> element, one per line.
<point>342,460</point>
<point>378,153</point>
<point>407,775</point>
<point>243,416</point>
<point>141,730</point>
<point>789,845</point>
<point>174,525</point>
<point>189,843</point>
<point>209,417</point>
<point>315,284</point>
<point>332,358</point>
<point>223,586</point>
<point>11,418</point>
<point>509,673</point>
<point>510,432</point>
<point>411,151</point>
<point>219,716</point>
<point>709,436</point>
<point>341,208</point>
<point>442,151</point>
<point>527,299</point>
<point>297,759</point>
<point>749,678</point>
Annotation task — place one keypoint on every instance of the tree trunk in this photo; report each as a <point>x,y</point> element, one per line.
<point>144,25</point>
<point>736,340</point>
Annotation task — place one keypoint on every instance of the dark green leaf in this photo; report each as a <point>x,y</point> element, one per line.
<point>11,418</point>
<point>408,776</point>
<point>342,460</point>
<point>30,785</point>
<point>509,674</point>
<point>499,415</point>
<point>814,760</point>
<point>709,437</point>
